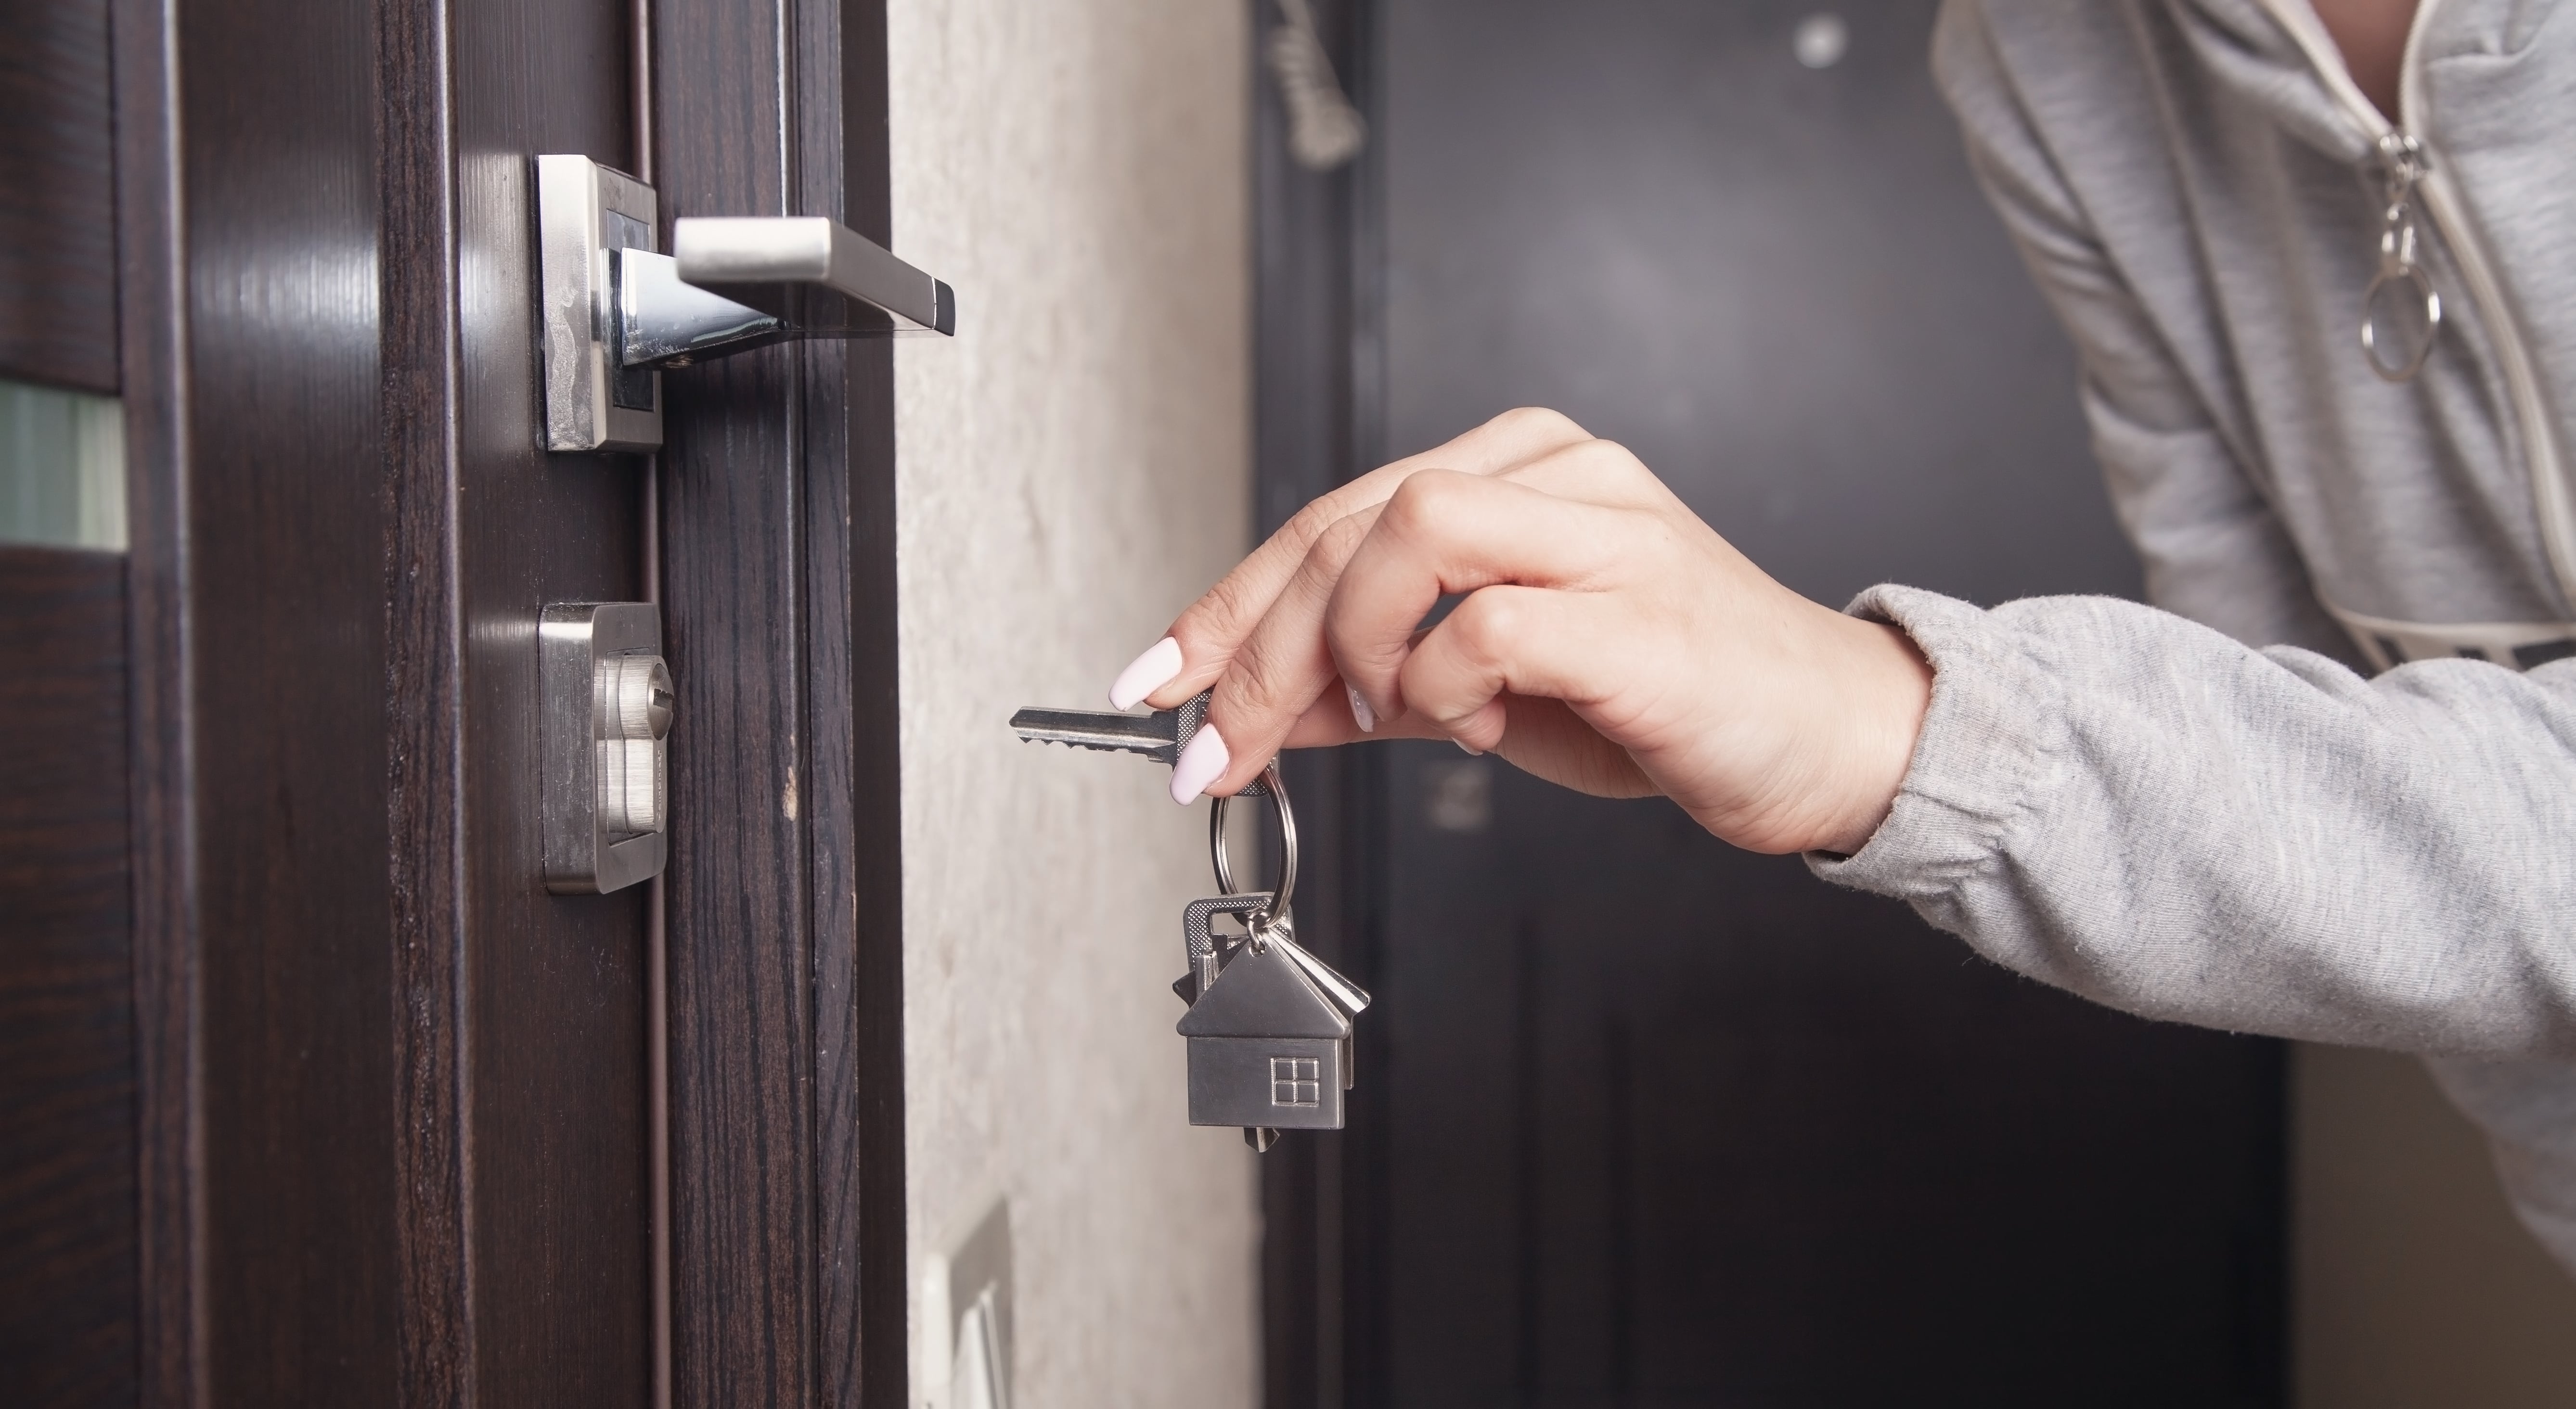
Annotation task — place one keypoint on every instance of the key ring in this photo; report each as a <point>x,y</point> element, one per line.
<point>1277,910</point>
<point>2404,283</point>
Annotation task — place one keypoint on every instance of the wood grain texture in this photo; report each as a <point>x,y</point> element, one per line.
<point>424,818</point>
<point>555,1023</point>
<point>393,1147</point>
<point>280,559</point>
<point>784,920</point>
<point>57,196</point>
<point>355,995</point>
<point>520,1013</point>
<point>735,592</point>
<point>858,960</point>
<point>68,1297</point>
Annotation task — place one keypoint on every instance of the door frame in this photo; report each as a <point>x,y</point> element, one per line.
<point>1317,424</point>
<point>785,1237</point>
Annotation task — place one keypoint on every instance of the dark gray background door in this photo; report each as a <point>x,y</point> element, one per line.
<point>1643,1120</point>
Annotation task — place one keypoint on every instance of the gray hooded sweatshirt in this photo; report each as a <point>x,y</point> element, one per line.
<point>2206,813</point>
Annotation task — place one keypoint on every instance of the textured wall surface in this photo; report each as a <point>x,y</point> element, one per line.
<point>1074,470</point>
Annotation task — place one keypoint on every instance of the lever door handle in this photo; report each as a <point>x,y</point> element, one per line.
<point>668,314</point>
<point>615,311</point>
<point>714,251</point>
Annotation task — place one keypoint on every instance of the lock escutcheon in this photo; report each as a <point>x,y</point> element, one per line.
<point>606,713</point>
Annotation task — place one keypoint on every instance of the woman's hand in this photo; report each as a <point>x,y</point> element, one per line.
<point>1609,641</point>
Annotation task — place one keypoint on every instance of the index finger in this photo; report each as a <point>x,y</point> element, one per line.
<point>1214,627</point>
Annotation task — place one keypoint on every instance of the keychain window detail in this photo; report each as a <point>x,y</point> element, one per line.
<point>1295,1081</point>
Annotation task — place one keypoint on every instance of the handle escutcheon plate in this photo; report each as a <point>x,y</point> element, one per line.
<point>585,212</point>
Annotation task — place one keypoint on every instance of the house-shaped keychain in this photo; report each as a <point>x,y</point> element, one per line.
<point>1269,1046</point>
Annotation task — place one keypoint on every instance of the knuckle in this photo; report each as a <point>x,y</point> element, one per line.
<point>1424,501</point>
<point>1359,656</point>
<point>1602,456</point>
<point>1487,622</point>
<point>1535,421</point>
<point>1607,458</point>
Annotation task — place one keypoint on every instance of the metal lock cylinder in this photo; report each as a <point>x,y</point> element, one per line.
<point>604,779</point>
<point>633,716</point>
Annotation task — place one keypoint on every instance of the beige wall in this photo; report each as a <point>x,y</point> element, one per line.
<point>1074,470</point>
<point>2413,1284</point>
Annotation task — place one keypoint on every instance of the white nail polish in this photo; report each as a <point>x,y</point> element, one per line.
<point>1202,763</point>
<point>1361,714</point>
<point>1146,674</point>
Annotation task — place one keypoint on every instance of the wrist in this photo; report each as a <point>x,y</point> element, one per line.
<point>1889,690</point>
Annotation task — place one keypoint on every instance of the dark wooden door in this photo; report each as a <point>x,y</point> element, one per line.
<point>1643,1120</point>
<point>67,1226</point>
<point>69,1297</point>
<point>312,1093</point>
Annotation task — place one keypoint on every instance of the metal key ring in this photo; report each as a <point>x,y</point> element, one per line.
<point>1278,906</point>
<point>2409,279</point>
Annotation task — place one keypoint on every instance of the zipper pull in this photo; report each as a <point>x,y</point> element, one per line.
<point>2400,312</point>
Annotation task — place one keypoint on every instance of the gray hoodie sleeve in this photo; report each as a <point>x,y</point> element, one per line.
<point>2122,803</point>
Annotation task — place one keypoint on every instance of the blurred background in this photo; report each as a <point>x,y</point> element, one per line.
<point>1647,1121</point>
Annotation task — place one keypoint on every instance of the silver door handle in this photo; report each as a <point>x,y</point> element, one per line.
<point>714,251</point>
<point>615,311</point>
<point>668,314</point>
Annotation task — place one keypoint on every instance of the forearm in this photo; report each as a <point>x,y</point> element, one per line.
<point>2116,801</point>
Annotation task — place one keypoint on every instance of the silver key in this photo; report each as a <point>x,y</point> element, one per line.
<point>1159,736</point>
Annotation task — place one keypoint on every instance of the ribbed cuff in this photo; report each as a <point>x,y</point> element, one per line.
<point>1990,745</point>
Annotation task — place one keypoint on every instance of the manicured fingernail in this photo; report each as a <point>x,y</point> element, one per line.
<point>1202,763</point>
<point>1361,714</point>
<point>1472,752</point>
<point>1146,674</point>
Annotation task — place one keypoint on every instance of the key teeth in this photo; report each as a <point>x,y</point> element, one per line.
<point>1151,756</point>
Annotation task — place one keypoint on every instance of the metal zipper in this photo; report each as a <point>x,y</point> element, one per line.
<point>2401,307</point>
<point>2549,488</point>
